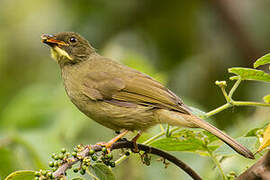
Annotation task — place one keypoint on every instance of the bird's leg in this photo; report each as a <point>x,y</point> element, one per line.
<point>109,144</point>
<point>134,140</point>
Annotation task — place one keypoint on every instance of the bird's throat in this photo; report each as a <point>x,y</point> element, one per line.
<point>60,55</point>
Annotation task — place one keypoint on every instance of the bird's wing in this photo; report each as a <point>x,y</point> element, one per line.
<point>132,87</point>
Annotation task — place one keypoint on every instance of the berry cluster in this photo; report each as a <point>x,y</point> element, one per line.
<point>59,159</point>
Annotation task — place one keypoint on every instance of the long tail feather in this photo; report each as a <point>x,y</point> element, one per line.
<point>189,120</point>
<point>224,137</point>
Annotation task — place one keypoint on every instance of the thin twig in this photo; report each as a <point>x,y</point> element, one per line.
<point>130,145</point>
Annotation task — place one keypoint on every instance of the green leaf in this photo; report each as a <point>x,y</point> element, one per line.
<point>8,161</point>
<point>103,172</point>
<point>262,61</point>
<point>266,99</point>
<point>23,174</point>
<point>254,131</point>
<point>251,143</point>
<point>78,178</point>
<point>249,74</point>
<point>187,140</point>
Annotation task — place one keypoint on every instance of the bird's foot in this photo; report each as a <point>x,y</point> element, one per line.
<point>134,141</point>
<point>109,144</point>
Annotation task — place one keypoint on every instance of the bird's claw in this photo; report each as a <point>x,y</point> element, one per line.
<point>108,146</point>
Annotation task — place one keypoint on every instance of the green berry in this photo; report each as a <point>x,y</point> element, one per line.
<point>36,178</point>
<point>82,172</point>
<point>55,164</point>
<point>54,169</point>
<point>37,174</point>
<point>112,164</point>
<point>53,155</point>
<point>91,152</point>
<point>104,149</point>
<point>43,172</point>
<point>75,170</point>
<point>61,156</point>
<point>109,156</point>
<point>94,158</point>
<point>84,167</point>
<point>50,175</point>
<point>59,163</point>
<point>103,158</point>
<point>74,154</point>
<point>147,163</point>
<point>56,157</point>
<point>63,150</point>
<point>51,163</point>
<point>75,149</point>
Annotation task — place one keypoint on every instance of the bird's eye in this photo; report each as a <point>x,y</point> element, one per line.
<point>73,40</point>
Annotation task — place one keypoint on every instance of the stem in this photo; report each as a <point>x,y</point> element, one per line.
<point>248,103</point>
<point>228,99</point>
<point>161,128</point>
<point>168,133</point>
<point>149,141</point>
<point>121,159</point>
<point>235,86</point>
<point>217,164</point>
<point>219,109</point>
<point>90,174</point>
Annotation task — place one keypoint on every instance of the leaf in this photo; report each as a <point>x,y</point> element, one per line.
<point>266,99</point>
<point>78,178</point>
<point>262,61</point>
<point>266,139</point>
<point>186,140</point>
<point>23,174</point>
<point>256,131</point>
<point>249,74</point>
<point>103,172</point>
<point>250,142</point>
<point>8,161</point>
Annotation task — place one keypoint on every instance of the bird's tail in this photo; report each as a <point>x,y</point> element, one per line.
<point>225,138</point>
<point>193,121</point>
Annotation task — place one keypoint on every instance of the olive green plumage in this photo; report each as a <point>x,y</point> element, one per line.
<point>117,96</point>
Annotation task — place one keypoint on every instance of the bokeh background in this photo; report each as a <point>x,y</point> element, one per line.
<point>187,45</point>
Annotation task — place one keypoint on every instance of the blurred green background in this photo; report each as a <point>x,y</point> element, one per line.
<point>187,45</point>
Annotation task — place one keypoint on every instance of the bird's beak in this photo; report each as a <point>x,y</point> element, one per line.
<point>57,50</point>
<point>51,41</point>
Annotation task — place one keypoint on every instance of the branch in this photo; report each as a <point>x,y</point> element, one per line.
<point>259,171</point>
<point>124,144</point>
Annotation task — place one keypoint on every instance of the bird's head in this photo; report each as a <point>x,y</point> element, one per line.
<point>68,47</point>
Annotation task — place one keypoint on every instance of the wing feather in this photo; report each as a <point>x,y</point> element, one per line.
<point>133,86</point>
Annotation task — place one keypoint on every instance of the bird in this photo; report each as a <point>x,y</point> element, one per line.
<point>119,97</point>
